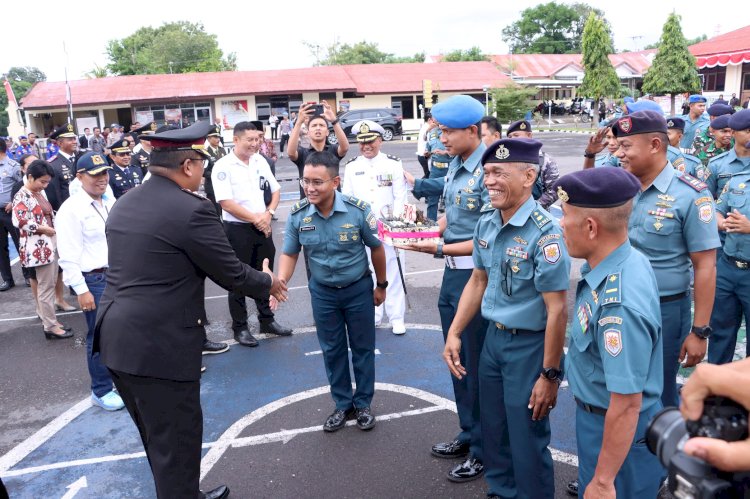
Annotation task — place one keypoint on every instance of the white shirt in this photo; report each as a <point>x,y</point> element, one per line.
<point>233,179</point>
<point>422,139</point>
<point>81,240</point>
<point>378,181</point>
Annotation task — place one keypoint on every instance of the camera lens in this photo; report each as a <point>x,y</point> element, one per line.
<point>665,434</point>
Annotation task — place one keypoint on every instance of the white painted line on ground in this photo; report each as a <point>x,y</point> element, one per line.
<point>320,352</point>
<point>20,451</point>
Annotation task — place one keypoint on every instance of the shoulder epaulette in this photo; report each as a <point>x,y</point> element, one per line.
<point>487,207</point>
<point>539,218</point>
<point>718,156</point>
<point>196,194</point>
<point>693,182</point>
<point>299,205</point>
<point>352,159</point>
<point>612,290</point>
<point>394,158</point>
<point>362,205</point>
<point>52,158</point>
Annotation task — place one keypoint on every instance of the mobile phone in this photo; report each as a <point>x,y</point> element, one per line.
<point>319,110</point>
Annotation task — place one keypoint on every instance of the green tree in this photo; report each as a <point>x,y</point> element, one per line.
<point>551,28</point>
<point>512,102</point>
<point>96,72</point>
<point>692,41</point>
<point>600,78</point>
<point>472,54</point>
<point>363,52</point>
<point>673,70</point>
<point>21,80</point>
<point>177,47</point>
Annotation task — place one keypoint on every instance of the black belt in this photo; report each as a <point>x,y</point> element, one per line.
<point>502,327</point>
<point>367,274</point>
<point>740,264</point>
<point>591,408</point>
<point>102,270</point>
<point>678,296</point>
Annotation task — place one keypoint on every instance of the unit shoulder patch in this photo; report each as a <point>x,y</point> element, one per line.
<point>613,342</point>
<point>551,253</point>
<point>299,205</point>
<point>693,182</point>
<point>545,239</point>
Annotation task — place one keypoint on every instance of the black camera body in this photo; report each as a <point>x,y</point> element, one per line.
<point>690,477</point>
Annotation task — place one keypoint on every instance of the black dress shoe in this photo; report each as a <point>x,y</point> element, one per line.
<point>219,492</point>
<point>244,338</point>
<point>6,285</point>
<point>572,487</point>
<point>365,419</point>
<point>469,470</point>
<point>274,327</point>
<point>214,347</point>
<point>337,420</point>
<point>54,336</point>
<point>450,450</point>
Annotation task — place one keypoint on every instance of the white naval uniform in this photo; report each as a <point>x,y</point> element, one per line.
<point>380,182</point>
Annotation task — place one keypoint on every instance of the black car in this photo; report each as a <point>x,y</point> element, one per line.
<point>389,119</point>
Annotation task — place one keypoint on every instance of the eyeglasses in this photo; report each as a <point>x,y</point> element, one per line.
<point>304,182</point>
<point>122,154</point>
<point>507,283</point>
<point>202,160</point>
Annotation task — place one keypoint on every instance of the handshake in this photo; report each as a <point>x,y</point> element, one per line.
<point>279,291</point>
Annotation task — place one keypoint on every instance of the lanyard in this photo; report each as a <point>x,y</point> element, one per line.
<point>106,211</point>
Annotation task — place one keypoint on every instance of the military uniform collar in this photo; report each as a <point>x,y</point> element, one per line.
<point>609,265</point>
<point>474,159</point>
<point>662,181</point>
<point>520,217</point>
<point>338,205</point>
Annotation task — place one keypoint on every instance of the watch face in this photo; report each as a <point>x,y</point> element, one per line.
<point>551,373</point>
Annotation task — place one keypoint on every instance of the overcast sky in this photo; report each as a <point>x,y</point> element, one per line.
<point>270,34</point>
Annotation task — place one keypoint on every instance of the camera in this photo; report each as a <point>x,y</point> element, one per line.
<point>318,109</point>
<point>691,477</point>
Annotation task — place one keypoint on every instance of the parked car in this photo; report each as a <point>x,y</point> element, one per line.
<point>389,119</point>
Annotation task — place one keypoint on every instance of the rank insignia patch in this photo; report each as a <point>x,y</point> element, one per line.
<point>552,253</point>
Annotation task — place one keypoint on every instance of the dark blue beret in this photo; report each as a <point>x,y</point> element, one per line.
<point>519,126</point>
<point>719,109</point>
<point>720,122</point>
<point>643,105</point>
<point>676,122</point>
<point>740,120</point>
<point>597,187</point>
<point>92,163</point>
<point>639,122</point>
<point>513,151</point>
<point>696,98</point>
<point>460,111</point>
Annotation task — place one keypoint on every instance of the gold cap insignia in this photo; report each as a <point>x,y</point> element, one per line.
<point>98,160</point>
<point>70,127</point>
<point>153,126</point>
<point>670,123</point>
<point>364,128</point>
<point>625,124</point>
<point>522,126</point>
<point>502,152</point>
<point>562,194</point>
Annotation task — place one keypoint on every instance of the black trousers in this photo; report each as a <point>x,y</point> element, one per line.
<point>6,227</point>
<point>251,247</point>
<point>284,140</point>
<point>170,420</point>
<point>425,164</point>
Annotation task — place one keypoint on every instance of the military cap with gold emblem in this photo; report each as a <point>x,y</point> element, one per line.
<point>122,145</point>
<point>146,129</point>
<point>513,151</point>
<point>92,163</point>
<point>597,187</point>
<point>367,131</point>
<point>519,126</point>
<point>65,131</point>
<point>183,139</point>
<point>215,131</point>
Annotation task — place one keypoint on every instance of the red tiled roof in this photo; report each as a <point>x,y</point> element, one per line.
<point>363,79</point>
<point>730,48</point>
<point>546,65</point>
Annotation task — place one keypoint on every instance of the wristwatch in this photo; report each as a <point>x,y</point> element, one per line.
<point>439,252</point>
<point>271,211</point>
<point>703,333</point>
<point>334,121</point>
<point>552,374</point>
<point>588,155</point>
<point>382,285</point>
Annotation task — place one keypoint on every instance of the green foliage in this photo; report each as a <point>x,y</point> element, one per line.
<point>600,78</point>
<point>21,80</point>
<point>363,52</point>
<point>551,28</point>
<point>673,70</point>
<point>177,47</point>
<point>472,54</point>
<point>512,102</point>
<point>692,41</point>
<point>96,72</point>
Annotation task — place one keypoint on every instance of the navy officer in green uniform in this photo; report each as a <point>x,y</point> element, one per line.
<point>673,224</point>
<point>521,278</point>
<point>463,189</point>
<point>732,268</point>
<point>614,361</point>
<point>334,230</point>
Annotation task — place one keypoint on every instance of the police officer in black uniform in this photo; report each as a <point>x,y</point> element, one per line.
<point>123,176</point>
<point>216,151</point>
<point>142,155</point>
<point>164,240</point>
<point>62,164</point>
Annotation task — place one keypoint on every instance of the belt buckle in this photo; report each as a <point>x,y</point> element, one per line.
<point>500,326</point>
<point>450,262</point>
<point>741,265</point>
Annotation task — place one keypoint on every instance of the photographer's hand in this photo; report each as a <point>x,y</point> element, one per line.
<point>728,380</point>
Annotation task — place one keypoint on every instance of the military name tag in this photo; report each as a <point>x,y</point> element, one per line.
<point>482,243</point>
<point>305,228</point>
